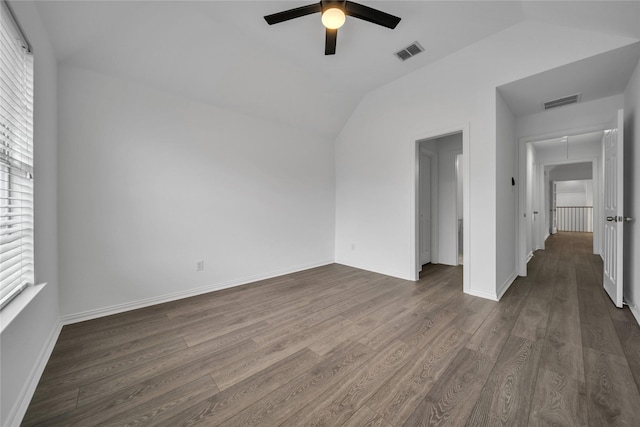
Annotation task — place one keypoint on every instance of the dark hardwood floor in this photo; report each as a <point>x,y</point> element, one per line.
<point>341,346</point>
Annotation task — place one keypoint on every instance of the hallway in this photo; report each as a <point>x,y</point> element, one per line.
<point>589,368</point>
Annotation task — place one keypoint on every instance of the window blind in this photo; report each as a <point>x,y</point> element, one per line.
<point>16,159</point>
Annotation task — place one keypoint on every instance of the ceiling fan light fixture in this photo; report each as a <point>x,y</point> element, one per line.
<point>333,18</point>
<point>334,14</point>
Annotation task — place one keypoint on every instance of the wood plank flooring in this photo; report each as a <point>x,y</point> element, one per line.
<point>340,346</point>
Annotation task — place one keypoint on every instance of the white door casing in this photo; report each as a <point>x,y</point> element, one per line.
<point>613,210</point>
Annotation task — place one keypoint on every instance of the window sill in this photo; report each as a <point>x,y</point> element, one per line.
<point>19,303</point>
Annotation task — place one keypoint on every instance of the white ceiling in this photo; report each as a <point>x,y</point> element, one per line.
<point>224,53</point>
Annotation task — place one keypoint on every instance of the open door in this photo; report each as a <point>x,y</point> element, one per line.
<point>613,210</point>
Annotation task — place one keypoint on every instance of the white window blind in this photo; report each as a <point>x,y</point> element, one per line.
<point>16,159</point>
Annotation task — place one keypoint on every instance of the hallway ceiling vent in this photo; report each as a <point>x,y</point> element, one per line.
<point>571,99</point>
<point>410,51</point>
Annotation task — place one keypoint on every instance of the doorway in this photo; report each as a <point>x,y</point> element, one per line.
<point>440,200</point>
<point>569,198</point>
<point>545,161</point>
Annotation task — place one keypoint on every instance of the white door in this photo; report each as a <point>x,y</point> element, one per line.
<point>554,208</point>
<point>425,208</point>
<point>613,210</point>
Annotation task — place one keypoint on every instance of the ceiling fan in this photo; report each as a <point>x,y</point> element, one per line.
<point>334,14</point>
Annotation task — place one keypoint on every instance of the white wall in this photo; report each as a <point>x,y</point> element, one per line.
<point>448,149</point>
<point>574,193</point>
<point>26,342</point>
<point>375,151</point>
<point>632,192</point>
<point>506,195</point>
<point>430,147</point>
<point>150,183</point>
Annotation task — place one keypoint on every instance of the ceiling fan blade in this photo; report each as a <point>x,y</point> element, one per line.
<point>330,42</point>
<point>286,15</point>
<point>371,15</point>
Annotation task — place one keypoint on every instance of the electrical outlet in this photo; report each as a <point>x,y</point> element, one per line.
<point>199,265</point>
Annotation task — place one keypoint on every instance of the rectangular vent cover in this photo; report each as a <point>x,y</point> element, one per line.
<point>571,99</point>
<point>412,50</point>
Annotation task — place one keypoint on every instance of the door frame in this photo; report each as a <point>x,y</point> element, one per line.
<point>413,238</point>
<point>521,235</point>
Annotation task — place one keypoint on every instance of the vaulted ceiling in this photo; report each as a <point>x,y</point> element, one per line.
<point>224,53</point>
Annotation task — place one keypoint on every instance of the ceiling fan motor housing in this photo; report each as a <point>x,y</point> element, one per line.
<point>328,4</point>
<point>348,8</point>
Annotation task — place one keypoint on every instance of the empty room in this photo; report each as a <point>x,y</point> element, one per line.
<point>388,213</point>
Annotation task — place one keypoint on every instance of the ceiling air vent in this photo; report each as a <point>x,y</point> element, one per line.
<point>412,50</point>
<point>572,99</point>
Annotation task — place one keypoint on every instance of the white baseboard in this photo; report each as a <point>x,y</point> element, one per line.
<point>506,285</point>
<point>133,305</point>
<point>19,410</point>
<point>529,256</point>
<point>636,312</point>
<point>484,295</point>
